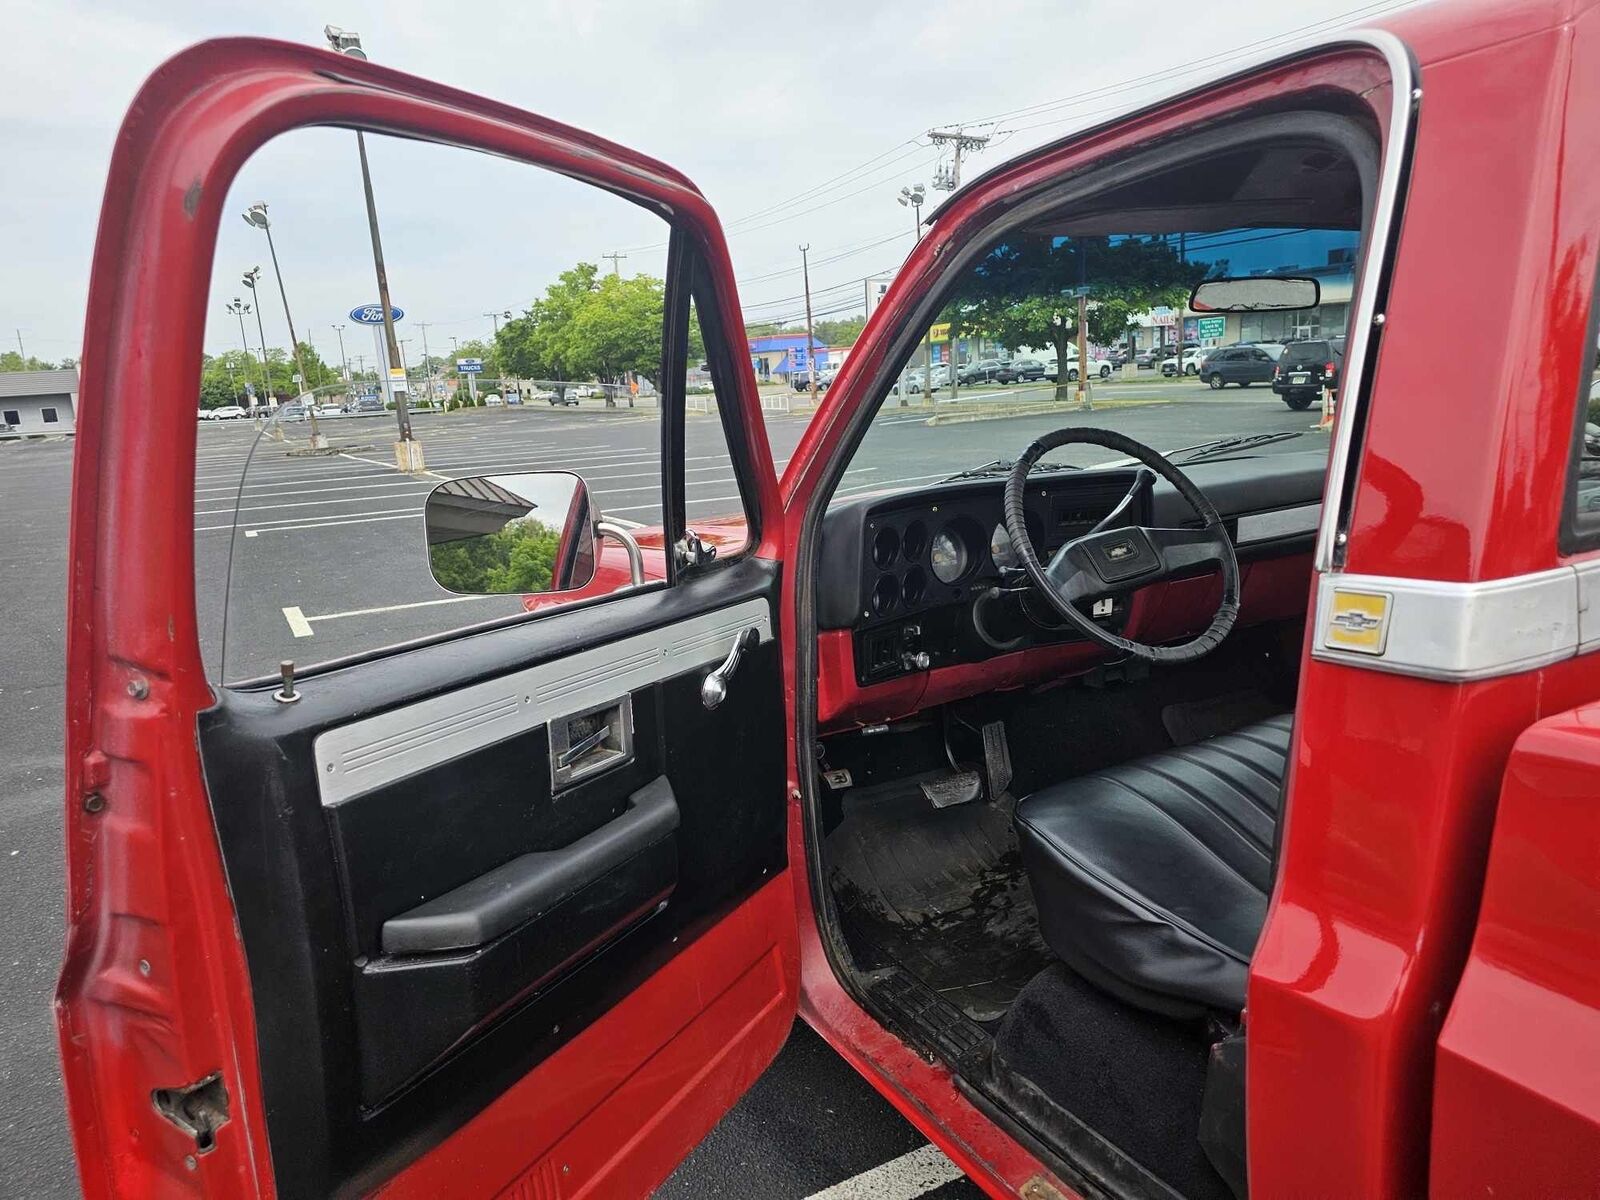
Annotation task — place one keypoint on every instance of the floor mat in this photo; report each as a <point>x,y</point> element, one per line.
<point>1136,1079</point>
<point>940,892</point>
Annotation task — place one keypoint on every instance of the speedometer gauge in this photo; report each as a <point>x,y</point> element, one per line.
<point>947,556</point>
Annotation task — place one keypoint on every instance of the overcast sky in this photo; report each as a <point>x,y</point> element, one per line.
<point>760,105</point>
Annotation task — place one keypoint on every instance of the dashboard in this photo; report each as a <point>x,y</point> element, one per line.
<point>924,579</point>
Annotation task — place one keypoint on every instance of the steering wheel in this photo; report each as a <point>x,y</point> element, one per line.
<point>1121,557</point>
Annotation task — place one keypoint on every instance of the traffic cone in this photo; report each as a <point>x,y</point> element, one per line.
<point>1327,412</point>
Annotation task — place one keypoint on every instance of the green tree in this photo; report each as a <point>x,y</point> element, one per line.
<point>537,345</point>
<point>519,558</point>
<point>1021,293</point>
<point>616,330</point>
<point>12,360</point>
<point>841,332</point>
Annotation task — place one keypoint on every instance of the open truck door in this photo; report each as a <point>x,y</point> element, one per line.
<point>378,938</point>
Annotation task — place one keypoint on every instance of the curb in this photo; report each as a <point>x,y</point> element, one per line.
<point>1035,410</point>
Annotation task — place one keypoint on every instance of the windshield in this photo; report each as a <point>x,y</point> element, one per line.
<point>1018,306</point>
<point>1096,294</point>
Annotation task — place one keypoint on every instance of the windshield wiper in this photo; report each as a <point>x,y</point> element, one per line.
<point>1228,445</point>
<point>1002,466</point>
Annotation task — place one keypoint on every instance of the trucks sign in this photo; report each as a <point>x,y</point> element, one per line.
<point>469,366</point>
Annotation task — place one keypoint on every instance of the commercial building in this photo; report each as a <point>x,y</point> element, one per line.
<point>780,355</point>
<point>38,402</point>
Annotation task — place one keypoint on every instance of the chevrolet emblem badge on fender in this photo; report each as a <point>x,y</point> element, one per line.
<point>1357,621</point>
<point>1119,550</point>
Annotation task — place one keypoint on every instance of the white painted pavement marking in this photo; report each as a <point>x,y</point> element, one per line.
<point>300,624</point>
<point>911,1175</point>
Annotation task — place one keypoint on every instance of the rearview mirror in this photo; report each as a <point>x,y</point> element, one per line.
<point>1257,293</point>
<point>492,535</point>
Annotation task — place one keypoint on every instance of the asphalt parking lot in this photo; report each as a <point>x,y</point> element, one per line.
<point>338,540</point>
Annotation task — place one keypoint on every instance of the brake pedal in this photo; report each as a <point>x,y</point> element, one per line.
<point>996,758</point>
<point>952,788</point>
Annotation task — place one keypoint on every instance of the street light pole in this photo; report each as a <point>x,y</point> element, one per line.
<point>250,277</point>
<point>238,308</point>
<point>408,451</point>
<point>912,198</point>
<point>811,357</point>
<point>256,215</point>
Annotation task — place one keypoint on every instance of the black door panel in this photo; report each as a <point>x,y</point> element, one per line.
<point>368,1056</point>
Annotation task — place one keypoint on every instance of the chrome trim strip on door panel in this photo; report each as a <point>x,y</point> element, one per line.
<point>1282,522</point>
<point>1456,632</point>
<point>376,751</point>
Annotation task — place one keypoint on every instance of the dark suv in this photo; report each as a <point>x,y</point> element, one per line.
<point>1243,365</point>
<point>1305,368</point>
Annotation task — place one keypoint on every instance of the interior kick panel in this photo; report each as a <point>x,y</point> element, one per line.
<point>431,919</point>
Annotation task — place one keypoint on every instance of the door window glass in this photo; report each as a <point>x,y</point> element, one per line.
<point>526,336</point>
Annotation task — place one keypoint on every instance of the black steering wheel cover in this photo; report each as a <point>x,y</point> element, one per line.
<point>1017,526</point>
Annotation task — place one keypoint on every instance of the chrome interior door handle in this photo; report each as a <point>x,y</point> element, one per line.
<point>714,690</point>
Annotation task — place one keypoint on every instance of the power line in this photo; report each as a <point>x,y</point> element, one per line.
<point>1192,66</point>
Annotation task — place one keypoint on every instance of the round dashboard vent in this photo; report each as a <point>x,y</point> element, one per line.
<point>916,540</point>
<point>913,586</point>
<point>884,593</point>
<point>884,548</point>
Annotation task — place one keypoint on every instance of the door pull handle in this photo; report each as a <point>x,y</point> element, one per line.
<point>714,690</point>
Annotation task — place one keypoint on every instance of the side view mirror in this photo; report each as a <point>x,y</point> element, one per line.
<point>492,535</point>
<point>1255,293</point>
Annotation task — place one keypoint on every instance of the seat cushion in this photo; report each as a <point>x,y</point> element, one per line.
<point>1151,878</point>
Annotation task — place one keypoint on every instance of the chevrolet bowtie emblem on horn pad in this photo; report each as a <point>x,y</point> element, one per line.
<point>1117,551</point>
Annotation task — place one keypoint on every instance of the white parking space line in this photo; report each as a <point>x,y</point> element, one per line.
<point>222,512</point>
<point>911,1175</point>
<point>272,527</point>
<point>300,623</point>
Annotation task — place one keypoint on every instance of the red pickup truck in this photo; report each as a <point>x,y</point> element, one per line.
<point>1200,826</point>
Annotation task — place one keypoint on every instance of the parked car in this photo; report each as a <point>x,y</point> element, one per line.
<point>362,405</point>
<point>1191,363</point>
<point>293,411</point>
<point>330,410</point>
<point>983,370</point>
<point>1306,368</point>
<point>493,400</point>
<point>228,412</point>
<point>1242,364</point>
<point>1021,370</point>
<point>1100,368</point>
<point>564,398</point>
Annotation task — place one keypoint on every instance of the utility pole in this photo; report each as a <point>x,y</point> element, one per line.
<point>427,360</point>
<point>958,140</point>
<point>343,361</point>
<point>614,257</point>
<point>20,350</point>
<point>811,358</point>
<point>496,317</point>
<point>1084,403</point>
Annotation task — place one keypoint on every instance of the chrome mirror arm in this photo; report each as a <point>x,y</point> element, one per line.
<point>610,529</point>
